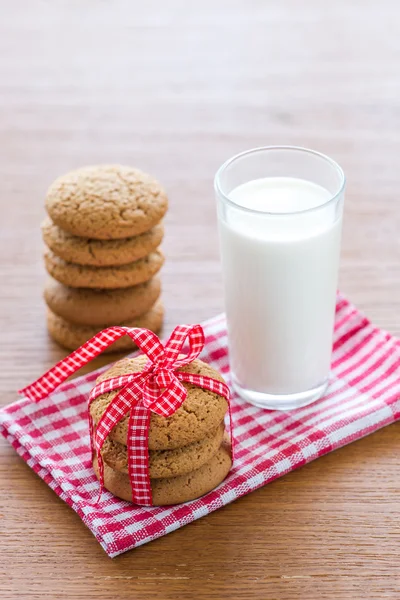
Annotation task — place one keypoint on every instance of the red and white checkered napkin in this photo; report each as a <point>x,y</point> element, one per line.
<point>364,395</point>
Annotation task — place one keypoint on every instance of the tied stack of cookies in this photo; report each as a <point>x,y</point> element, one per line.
<point>189,454</point>
<point>102,235</point>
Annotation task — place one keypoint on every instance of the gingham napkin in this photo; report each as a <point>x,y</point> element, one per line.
<point>364,395</point>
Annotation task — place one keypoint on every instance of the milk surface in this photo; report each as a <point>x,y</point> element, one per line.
<point>280,279</point>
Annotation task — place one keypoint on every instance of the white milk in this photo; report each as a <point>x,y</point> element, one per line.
<point>280,277</point>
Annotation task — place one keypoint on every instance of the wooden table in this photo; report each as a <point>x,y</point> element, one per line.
<point>175,88</point>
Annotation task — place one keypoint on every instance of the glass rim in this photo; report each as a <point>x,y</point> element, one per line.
<point>300,149</point>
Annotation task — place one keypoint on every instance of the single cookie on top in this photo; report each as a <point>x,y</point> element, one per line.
<point>201,412</point>
<point>106,202</point>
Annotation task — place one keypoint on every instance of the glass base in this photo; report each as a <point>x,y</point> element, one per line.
<point>281,401</point>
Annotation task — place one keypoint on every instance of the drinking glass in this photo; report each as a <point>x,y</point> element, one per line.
<point>280,216</point>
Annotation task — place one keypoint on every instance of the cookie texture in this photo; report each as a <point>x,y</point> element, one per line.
<point>106,202</point>
<point>167,463</point>
<point>174,490</point>
<point>71,335</point>
<point>100,253</point>
<point>85,276</point>
<point>86,306</point>
<point>201,412</point>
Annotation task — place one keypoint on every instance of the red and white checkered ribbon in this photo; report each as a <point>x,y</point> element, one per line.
<point>157,388</point>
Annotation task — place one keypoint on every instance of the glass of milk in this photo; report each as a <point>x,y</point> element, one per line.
<point>280,218</point>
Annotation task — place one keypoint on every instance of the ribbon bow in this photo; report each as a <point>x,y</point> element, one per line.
<point>157,388</point>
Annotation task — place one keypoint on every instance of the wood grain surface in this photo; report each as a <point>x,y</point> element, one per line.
<point>175,88</point>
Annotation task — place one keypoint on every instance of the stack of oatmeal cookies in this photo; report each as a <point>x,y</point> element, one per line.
<point>103,232</point>
<point>189,452</point>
